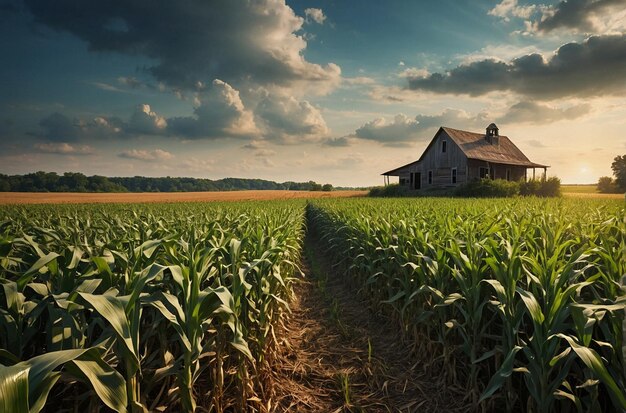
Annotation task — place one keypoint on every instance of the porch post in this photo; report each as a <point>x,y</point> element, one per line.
<point>533,174</point>
<point>545,173</point>
<point>525,174</point>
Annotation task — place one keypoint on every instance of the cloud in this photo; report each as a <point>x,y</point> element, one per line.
<point>64,148</point>
<point>197,41</point>
<point>290,120</point>
<point>509,8</point>
<point>359,80</point>
<point>403,130</point>
<point>587,16</point>
<point>221,114</point>
<point>413,72</point>
<point>591,68</point>
<point>146,155</point>
<point>316,15</point>
<point>500,52</point>
<point>264,153</point>
<point>145,121</point>
<point>400,130</point>
<point>59,128</point>
<point>342,141</point>
<point>108,87</point>
<point>537,113</point>
<point>254,145</point>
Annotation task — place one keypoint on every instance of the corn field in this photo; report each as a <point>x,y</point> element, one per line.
<point>143,308</point>
<point>520,302</point>
<point>179,307</point>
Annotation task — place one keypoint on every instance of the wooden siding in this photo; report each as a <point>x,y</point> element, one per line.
<point>496,171</point>
<point>441,164</point>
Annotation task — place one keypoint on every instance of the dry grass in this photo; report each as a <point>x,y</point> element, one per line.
<point>88,198</point>
<point>585,189</point>
<point>338,356</point>
<point>589,195</point>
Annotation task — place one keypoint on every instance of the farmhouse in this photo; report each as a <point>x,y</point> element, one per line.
<point>456,156</point>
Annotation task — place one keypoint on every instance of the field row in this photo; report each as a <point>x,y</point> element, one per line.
<point>143,309</point>
<point>160,307</point>
<point>518,301</point>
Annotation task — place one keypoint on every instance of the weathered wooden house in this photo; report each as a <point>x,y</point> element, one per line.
<point>455,157</point>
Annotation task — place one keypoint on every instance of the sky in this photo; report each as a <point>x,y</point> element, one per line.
<point>334,91</point>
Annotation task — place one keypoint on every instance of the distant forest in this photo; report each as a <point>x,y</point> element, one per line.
<point>77,182</point>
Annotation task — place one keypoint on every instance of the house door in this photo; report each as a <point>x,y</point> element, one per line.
<point>417,180</point>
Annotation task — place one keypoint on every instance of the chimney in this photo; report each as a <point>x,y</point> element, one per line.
<point>492,135</point>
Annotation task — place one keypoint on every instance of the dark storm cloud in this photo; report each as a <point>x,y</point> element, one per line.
<point>194,42</point>
<point>577,14</point>
<point>532,112</point>
<point>60,128</point>
<point>594,67</point>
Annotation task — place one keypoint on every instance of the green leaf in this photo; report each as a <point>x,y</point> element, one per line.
<point>593,361</point>
<point>498,379</point>
<point>108,384</point>
<point>148,247</point>
<point>531,303</point>
<point>112,309</point>
<point>14,389</point>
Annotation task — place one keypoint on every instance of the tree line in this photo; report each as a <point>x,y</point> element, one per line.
<point>607,184</point>
<point>78,182</point>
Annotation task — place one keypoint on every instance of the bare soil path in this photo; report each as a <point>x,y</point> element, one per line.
<point>337,355</point>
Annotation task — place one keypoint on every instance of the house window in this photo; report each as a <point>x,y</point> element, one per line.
<point>483,172</point>
<point>454,175</point>
<point>508,174</point>
<point>430,177</point>
<point>444,146</point>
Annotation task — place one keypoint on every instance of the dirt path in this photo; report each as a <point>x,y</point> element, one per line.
<point>339,356</point>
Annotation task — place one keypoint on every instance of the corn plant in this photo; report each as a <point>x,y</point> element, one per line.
<point>518,300</point>
<point>139,307</point>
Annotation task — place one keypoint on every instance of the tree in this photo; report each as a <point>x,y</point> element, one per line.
<point>606,185</point>
<point>619,170</point>
<point>327,187</point>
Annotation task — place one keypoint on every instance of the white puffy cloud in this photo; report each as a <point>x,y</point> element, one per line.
<point>290,120</point>
<point>146,155</point>
<point>510,8</point>
<point>221,114</point>
<point>317,15</point>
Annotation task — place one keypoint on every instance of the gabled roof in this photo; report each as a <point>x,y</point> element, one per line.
<point>475,146</point>
<point>399,167</point>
